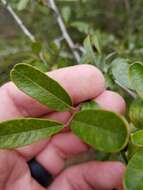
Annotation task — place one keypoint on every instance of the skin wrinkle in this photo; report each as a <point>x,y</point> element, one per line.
<point>12,167</point>
<point>20,108</point>
<point>60,152</point>
<point>24,109</point>
<point>87,181</point>
<point>71,182</point>
<point>7,177</point>
<point>10,102</point>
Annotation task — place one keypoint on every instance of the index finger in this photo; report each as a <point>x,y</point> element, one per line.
<point>82,82</point>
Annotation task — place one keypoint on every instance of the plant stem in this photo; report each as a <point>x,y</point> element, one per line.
<point>73,112</point>
<point>22,27</point>
<point>18,21</point>
<point>68,39</point>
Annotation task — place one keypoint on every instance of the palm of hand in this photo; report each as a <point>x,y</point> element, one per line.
<point>52,153</point>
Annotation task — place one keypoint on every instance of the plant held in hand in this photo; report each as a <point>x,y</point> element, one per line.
<point>105,131</point>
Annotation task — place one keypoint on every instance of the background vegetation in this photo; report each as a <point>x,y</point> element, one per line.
<point>107,34</point>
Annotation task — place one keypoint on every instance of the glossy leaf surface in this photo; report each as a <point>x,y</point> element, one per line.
<point>137,138</point>
<point>41,87</point>
<point>136,113</point>
<point>103,130</point>
<point>120,69</point>
<point>136,77</point>
<point>133,179</point>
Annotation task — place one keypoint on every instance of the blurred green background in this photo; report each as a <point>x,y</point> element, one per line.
<point>112,29</point>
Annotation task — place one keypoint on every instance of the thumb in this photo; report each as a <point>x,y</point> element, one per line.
<point>14,172</point>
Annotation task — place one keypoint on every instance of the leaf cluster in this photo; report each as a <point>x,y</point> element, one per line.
<point>105,131</point>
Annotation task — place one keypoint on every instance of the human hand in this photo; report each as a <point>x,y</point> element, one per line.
<point>83,82</point>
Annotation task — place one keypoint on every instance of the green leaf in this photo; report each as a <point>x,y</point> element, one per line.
<point>102,156</point>
<point>88,45</point>
<point>81,26</point>
<point>89,55</point>
<point>132,149</point>
<point>21,132</point>
<point>36,47</point>
<point>136,113</point>
<point>96,43</point>
<point>38,64</point>
<point>103,130</point>
<point>136,77</point>
<point>66,13</point>
<point>120,69</point>
<point>22,4</point>
<point>41,87</point>
<point>133,179</point>
<point>90,105</point>
<point>137,138</point>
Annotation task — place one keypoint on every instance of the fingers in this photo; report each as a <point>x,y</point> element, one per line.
<point>111,101</point>
<point>52,154</point>
<point>107,100</point>
<point>62,117</point>
<point>91,175</point>
<point>15,173</point>
<point>82,82</point>
<point>60,148</point>
<point>30,151</point>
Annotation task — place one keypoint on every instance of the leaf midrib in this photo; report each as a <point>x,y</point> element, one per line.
<point>22,132</point>
<point>26,77</point>
<point>93,125</point>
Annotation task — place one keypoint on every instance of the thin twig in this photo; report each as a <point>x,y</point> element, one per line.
<point>132,94</point>
<point>23,27</point>
<point>127,5</point>
<point>72,46</point>
<point>19,21</point>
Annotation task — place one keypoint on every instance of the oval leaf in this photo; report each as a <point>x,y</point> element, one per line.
<point>41,87</point>
<point>136,77</point>
<point>103,130</point>
<point>137,138</point>
<point>21,132</point>
<point>133,179</point>
<point>132,149</point>
<point>120,68</point>
<point>136,113</point>
<point>22,4</point>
